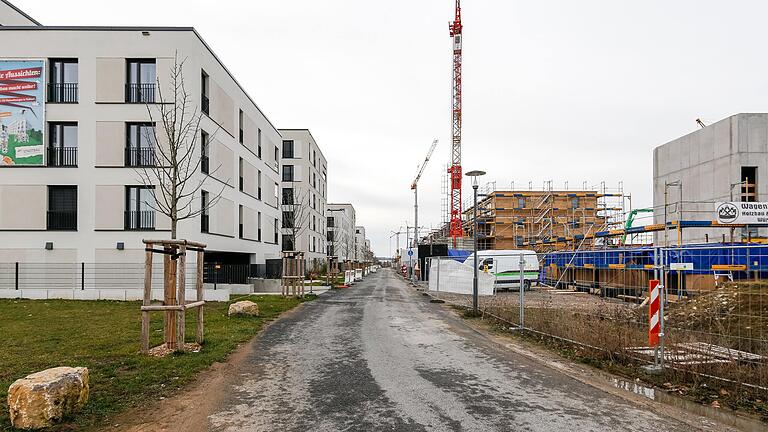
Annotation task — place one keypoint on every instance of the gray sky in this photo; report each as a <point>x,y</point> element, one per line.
<point>556,90</point>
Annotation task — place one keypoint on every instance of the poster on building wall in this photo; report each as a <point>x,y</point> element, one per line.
<point>22,112</point>
<point>742,213</point>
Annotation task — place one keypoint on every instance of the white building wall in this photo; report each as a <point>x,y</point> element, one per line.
<point>344,230</point>
<point>10,15</point>
<point>707,162</point>
<point>101,114</point>
<point>311,187</point>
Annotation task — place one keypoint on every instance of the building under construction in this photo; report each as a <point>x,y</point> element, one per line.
<point>510,219</point>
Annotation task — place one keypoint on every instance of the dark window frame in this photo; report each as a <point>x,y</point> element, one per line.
<point>138,91</point>
<point>62,219</point>
<point>59,154</point>
<point>137,218</point>
<point>289,149</point>
<point>59,89</point>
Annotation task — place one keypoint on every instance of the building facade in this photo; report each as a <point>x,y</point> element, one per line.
<point>341,231</point>
<point>10,15</point>
<point>304,184</point>
<point>722,162</point>
<point>83,196</point>
<point>362,245</point>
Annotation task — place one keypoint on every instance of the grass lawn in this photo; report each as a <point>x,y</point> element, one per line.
<point>104,336</point>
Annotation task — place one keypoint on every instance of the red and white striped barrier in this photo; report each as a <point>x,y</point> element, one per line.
<point>654,317</point>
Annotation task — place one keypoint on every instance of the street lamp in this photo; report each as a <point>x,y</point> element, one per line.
<point>475,174</point>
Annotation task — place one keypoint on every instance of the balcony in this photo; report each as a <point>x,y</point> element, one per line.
<point>61,220</point>
<point>139,157</point>
<point>205,104</point>
<point>62,92</point>
<point>140,93</point>
<point>139,220</point>
<point>61,156</point>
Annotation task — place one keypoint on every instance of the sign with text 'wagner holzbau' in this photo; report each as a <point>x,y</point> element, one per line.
<point>22,112</point>
<point>742,213</point>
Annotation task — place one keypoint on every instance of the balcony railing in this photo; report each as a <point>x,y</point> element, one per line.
<point>61,220</point>
<point>62,156</point>
<point>204,223</point>
<point>140,93</point>
<point>62,92</point>
<point>139,220</point>
<point>205,104</point>
<point>139,156</point>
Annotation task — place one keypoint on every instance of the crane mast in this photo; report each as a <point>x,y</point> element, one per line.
<point>454,170</point>
<point>415,188</point>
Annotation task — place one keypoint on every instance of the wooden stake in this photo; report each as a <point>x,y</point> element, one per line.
<point>169,298</point>
<point>181,297</point>
<point>147,299</point>
<point>200,297</point>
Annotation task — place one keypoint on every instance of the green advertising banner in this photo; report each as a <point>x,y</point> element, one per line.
<point>22,112</point>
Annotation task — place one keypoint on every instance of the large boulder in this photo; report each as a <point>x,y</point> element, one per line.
<point>44,398</point>
<point>244,307</point>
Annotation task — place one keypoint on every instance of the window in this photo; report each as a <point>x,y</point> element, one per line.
<point>287,173</point>
<point>62,144</point>
<point>204,152</point>
<point>62,208</point>
<point>140,145</point>
<point>240,126</point>
<point>314,201</point>
<point>258,227</point>
<point>314,180</point>
<point>288,149</point>
<point>240,168</point>
<point>204,101</point>
<point>139,208</point>
<point>289,219</point>
<point>258,140</point>
<point>240,221</point>
<point>330,222</point>
<point>277,198</point>
<point>141,78</point>
<point>575,202</point>
<point>287,196</point>
<point>276,228</point>
<point>521,202</point>
<point>277,159</point>
<point>314,223</point>
<point>287,242</point>
<point>329,235</point>
<point>258,196</point>
<point>204,215</point>
<point>64,81</point>
<point>314,159</point>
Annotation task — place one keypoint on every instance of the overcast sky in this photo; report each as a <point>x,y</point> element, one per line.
<point>553,90</point>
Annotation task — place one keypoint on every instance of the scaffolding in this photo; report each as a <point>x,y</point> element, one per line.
<point>515,218</point>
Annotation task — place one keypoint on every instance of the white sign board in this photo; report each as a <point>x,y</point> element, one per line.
<point>681,266</point>
<point>742,213</point>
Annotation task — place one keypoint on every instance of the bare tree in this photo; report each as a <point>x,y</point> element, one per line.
<point>177,157</point>
<point>296,214</point>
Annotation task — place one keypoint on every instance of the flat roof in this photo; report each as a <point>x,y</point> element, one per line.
<point>150,29</point>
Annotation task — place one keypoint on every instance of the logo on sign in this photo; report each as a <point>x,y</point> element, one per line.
<point>727,212</point>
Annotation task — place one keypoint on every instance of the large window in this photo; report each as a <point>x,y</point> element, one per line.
<point>62,87</point>
<point>289,219</point>
<point>287,173</point>
<point>240,126</point>
<point>140,144</point>
<point>139,208</point>
<point>287,242</point>
<point>258,138</point>
<point>141,78</point>
<point>240,221</point>
<point>204,101</point>
<point>287,196</point>
<point>62,208</point>
<point>240,174</point>
<point>331,222</point>
<point>62,145</point>
<point>288,149</point>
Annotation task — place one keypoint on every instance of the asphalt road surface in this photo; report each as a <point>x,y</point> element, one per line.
<point>379,357</point>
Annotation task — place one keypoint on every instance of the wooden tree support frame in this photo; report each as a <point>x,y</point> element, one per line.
<point>294,268</point>
<point>174,290</point>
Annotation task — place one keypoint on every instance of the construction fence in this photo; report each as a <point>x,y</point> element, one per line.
<point>714,306</point>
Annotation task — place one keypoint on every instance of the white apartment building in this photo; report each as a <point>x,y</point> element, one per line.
<point>77,195</point>
<point>362,246</point>
<point>304,195</point>
<point>341,231</point>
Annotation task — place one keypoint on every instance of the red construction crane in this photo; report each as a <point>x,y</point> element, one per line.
<point>454,170</point>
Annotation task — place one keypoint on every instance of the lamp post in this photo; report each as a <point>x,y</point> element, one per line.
<point>475,174</point>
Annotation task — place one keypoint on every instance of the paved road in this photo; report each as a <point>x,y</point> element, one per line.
<point>378,357</point>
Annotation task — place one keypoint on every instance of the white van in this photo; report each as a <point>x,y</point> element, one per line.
<point>505,265</point>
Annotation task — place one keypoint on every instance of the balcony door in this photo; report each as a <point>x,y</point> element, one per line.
<point>139,208</point>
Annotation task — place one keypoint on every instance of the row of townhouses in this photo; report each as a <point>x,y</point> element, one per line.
<point>81,126</point>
